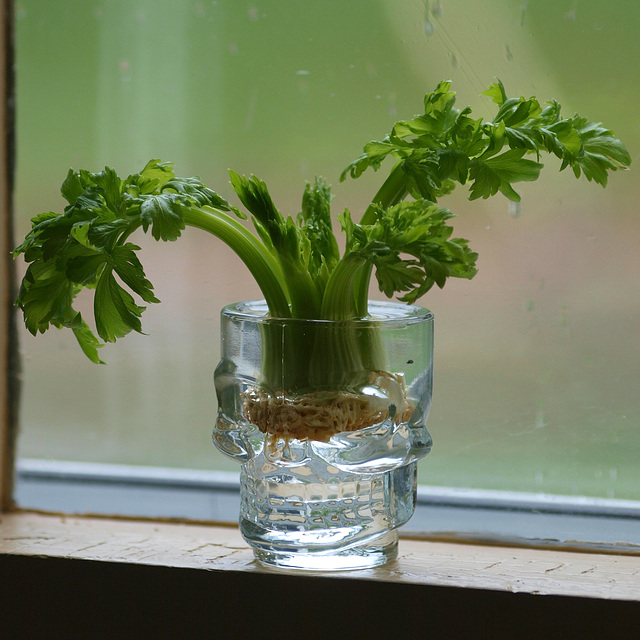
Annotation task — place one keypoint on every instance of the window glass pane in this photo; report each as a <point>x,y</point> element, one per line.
<point>537,358</point>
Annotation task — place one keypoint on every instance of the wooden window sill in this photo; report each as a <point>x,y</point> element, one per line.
<point>99,560</point>
<point>214,547</point>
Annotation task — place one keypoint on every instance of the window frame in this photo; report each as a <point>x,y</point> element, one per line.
<point>8,347</point>
<point>74,581</point>
<point>441,513</point>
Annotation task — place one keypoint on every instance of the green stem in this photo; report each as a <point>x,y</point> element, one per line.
<point>392,191</point>
<point>285,357</point>
<point>262,265</point>
<point>344,354</point>
<point>302,290</point>
<point>338,302</point>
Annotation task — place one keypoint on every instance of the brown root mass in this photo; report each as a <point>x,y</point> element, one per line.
<point>320,415</point>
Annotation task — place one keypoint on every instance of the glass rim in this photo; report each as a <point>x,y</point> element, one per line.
<point>386,313</point>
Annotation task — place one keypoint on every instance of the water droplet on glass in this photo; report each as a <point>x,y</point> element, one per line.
<point>523,10</point>
<point>436,9</point>
<point>508,54</point>
<point>254,14</point>
<point>428,28</point>
<point>455,63</point>
<point>125,71</point>
<point>515,209</point>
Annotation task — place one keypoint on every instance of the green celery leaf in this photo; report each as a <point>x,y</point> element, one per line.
<point>452,163</point>
<point>163,213</point>
<point>315,225</point>
<point>153,177</point>
<point>72,187</point>
<point>123,260</point>
<point>496,92</point>
<point>288,241</point>
<point>601,151</point>
<point>85,247</point>
<point>255,196</point>
<point>409,245</point>
<point>497,173</point>
<point>196,193</point>
<point>374,153</point>
<point>422,170</point>
<point>109,186</point>
<point>88,342</point>
<point>45,296</point>
<point>396,276</point>
<point>115,310</point>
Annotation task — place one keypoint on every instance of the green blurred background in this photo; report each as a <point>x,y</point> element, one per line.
<point>537,359</point>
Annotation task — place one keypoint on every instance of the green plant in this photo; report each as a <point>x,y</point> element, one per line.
<point>407,243</point>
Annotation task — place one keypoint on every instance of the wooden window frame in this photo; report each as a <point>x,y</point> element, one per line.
<point>8,346</point>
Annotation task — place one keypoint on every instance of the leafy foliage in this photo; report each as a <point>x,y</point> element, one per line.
<point>411,248</point>
<point>445,145</point>
<point>296,260</point>
<point>86,247</point>
<point>315,223</point>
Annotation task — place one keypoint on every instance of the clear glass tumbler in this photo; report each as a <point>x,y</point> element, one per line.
<point>327,419</point>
